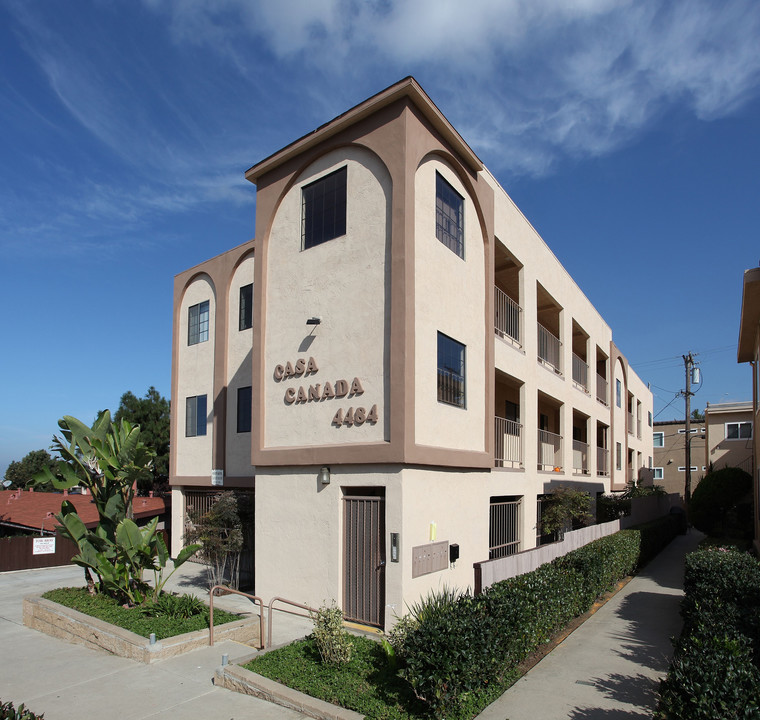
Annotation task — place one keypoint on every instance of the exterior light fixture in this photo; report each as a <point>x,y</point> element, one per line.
<point>324,475</point>
<point>313,321</point>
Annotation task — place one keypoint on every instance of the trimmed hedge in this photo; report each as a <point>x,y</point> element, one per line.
<point>473,641</point>
<point>715,671</point>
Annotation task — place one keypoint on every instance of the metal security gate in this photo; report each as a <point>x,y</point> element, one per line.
<point>364,559</point>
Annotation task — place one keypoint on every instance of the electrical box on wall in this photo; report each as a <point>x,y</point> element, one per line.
<point>453,552</point>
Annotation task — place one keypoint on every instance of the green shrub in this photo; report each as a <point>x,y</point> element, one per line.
<point>8,712</point>
<point>715,671</point>
<point>175,607</point>
<point>715,504</point>
<point>132,619</point>
<point>330,636</point>
<point>457,644</point>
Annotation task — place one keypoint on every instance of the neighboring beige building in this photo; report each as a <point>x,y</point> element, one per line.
<point>729,436</point>
<point>669,446</point>
<point>749,351</point>
<point>398,366</point>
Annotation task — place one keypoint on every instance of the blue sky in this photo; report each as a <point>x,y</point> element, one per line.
<point>628,132</point>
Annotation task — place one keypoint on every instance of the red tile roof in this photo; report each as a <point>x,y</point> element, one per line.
<point>36,509</point>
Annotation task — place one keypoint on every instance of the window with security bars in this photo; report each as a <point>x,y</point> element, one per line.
<point>244,409</point>
<point>323,209</point>
<point>246,307</point>
<point>197,323</point>
<point>195,416</point>
<point>503,526</point>
<point>449,216</point>
<point>451,371</point>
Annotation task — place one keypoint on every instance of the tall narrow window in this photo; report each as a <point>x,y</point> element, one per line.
<point>244,409</point>
<point>451,371</point>
<point>246,307</point>
<point>618,393</point>
<point>197,323</point>
<point>618,456</point>
<point>449,216</point>
<point>323,209</point>
<point>195,416</point>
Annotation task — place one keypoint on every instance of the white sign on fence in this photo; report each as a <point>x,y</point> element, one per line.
<point>43,546</point>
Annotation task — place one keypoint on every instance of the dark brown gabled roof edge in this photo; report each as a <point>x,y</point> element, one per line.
<point>409,88</point>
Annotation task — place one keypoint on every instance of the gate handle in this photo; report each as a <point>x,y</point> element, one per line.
<point>382,564</point>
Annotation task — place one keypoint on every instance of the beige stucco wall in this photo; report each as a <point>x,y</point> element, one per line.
<point>239,348</point>
<point>449,298</point>
<point>195,370</point>
<point>345,283</point>
<point>720,450</point>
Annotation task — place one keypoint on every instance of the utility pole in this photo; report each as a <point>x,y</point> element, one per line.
<point>688,361</point>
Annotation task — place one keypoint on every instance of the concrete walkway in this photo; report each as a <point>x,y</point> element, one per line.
<point>611,666</point>
<point>608,669</point>
<point>71,682</point>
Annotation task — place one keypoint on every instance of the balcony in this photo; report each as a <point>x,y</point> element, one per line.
<point>580,457</point>
<point>580,372</point>
<point>601,389</point>
<point>507,443</point>
<point>602,461</point>
<point>549,451</point>
<point>549,348</point>
<point>507,317</point>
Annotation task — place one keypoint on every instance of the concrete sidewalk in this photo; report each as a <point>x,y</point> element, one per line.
<point>71,682</point>
<point>611,666</point>
<point>608,669</point>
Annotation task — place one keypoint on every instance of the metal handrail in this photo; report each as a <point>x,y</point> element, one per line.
<point>269,614</point>
<point>255,598</point>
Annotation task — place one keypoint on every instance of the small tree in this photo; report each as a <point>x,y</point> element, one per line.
<point>109,460</point>
<point>715,507</point>
<point>21,472</point>
<point>565,506</point>
<point>219,533</point>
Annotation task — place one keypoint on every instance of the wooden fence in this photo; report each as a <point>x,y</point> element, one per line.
<point>17,553</point>
<point>643,510</point>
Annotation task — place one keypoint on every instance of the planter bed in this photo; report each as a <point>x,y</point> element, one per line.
<point>76,627</point>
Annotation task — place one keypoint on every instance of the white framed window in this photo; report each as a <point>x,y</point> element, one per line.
<point>658,473</point>
<point>694,468</point>
<point>739,430</point>
<point>658,439</point>
<point>197,323</point>
<point>692,431</point>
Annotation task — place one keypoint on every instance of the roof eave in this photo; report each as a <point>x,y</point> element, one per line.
<point>750,315</point>
<point>406,88</point>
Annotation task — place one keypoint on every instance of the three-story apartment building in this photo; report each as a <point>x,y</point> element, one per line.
<point>397,366</point>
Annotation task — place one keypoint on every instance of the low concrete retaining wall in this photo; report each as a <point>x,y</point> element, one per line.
<point>76,627</point>
<point>234,677</point>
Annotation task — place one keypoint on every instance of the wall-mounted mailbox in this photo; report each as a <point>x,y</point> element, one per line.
<point>394,547</point>
<point>453,552</point>
<point>430,558</point>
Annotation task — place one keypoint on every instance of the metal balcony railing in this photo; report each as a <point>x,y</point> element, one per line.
<point>507,316</point>
<point>580,457</point>
<point>507,443</point>
<point>548,348</point>
<point>601,389</point>
<point>580,371</point>
<point>549,451</point>
<point>602,461</point>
